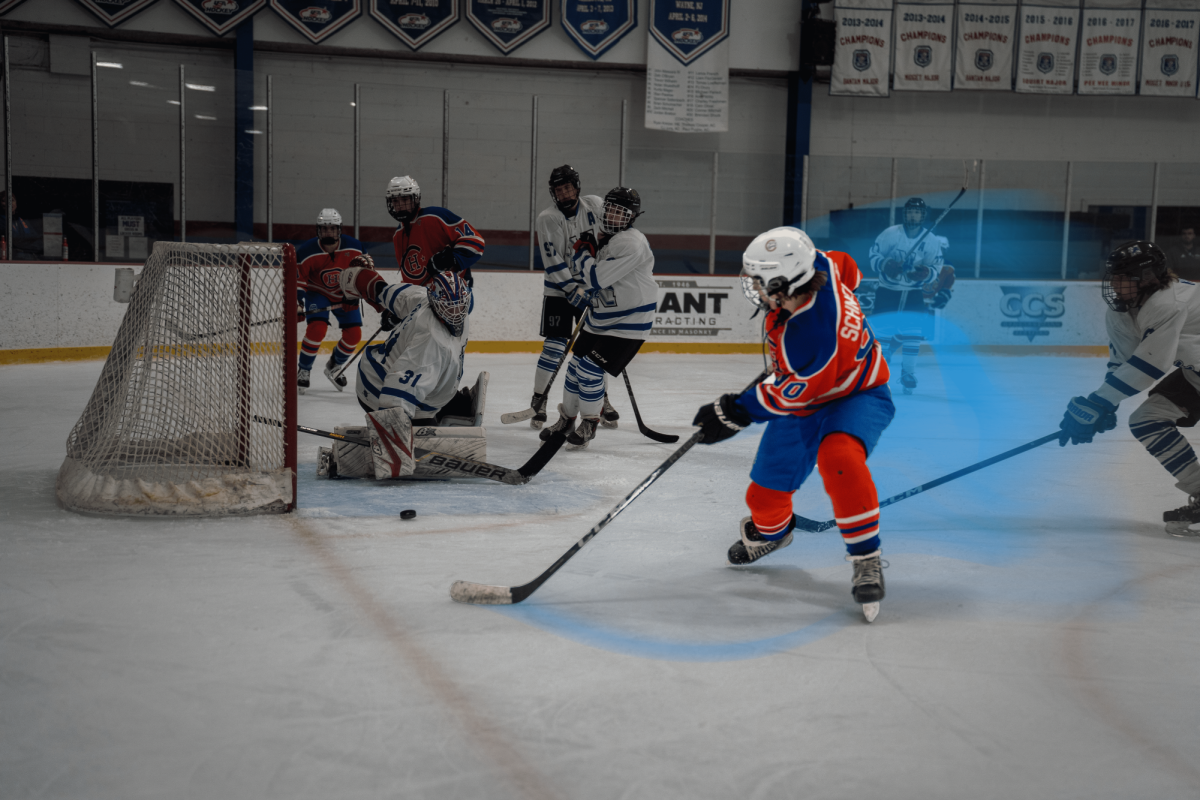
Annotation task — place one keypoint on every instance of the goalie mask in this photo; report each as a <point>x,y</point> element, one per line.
<point>915,212</point>
<point>621,207</point>
<point>450,299</point>
<point>560,179</point>
<point>780,261</point>
<point>403,199</point>
<point>1133,272</point>
<point>329,226</point>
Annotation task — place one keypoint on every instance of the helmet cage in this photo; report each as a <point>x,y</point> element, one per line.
<point>564,176</point>
<point>450,299</point>
<point>616,218</point>
<point>329,221</point>
<point>1142,263</point>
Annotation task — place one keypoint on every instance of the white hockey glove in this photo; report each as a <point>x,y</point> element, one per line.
<point>391,443</point>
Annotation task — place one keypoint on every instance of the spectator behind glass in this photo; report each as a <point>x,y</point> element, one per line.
<point>24,241</point>
<point>1185,256</point>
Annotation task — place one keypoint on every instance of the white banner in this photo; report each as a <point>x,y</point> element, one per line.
<point>1046,53</point>
<point>687,66</point>
<point>1108,48</point>
<point>864,47</point>
<point>983,58</point>
<point>923,47</point>
<point>1169,52</point>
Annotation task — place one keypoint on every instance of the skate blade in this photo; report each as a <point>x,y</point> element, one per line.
<point>1182,530</point>
<point>870,611</point>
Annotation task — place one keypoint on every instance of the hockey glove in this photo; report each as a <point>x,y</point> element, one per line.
<point>580,297</point>
<point>587,242</point>
<point>941,299</point>
<point>388,320</point>
<point>892,268</point>
<point>445,261</point>
<point>1084,418</point>
<point>722,419</point>
<point>360,282</point>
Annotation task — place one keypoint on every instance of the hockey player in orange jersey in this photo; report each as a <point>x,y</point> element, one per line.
<point>825,405</point>
<point>429,239</point>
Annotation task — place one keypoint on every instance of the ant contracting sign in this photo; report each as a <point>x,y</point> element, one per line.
<point>709,309</point>
<point>863,51</point>
<point>687,66</point>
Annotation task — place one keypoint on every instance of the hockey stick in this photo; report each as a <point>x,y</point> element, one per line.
<point>464,466</point>
<point>665,438</point>
<point>520,416</point>
<point>484,594</point>
<point>191,337</point>
<point>812,526</point>
<point>942,216</point>
<point>357,353</point>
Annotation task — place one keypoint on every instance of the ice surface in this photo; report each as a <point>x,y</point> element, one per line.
<point>1039,639</point>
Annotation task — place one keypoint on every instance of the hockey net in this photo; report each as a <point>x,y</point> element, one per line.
<point>180,422</point>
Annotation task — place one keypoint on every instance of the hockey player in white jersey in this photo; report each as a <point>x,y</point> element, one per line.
<point>1153,324</point>
<point>913,281</point>
<point>618,294</point>
<point>558,228</point>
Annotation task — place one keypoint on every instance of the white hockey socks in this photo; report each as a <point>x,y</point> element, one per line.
<point>391,434</point>
<point>552,353</point>
<point>584,388</point>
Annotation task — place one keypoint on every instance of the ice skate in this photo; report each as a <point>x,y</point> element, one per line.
<point>867,584</point>
<point>302,382</point>
<point>608,414</point>
<point>579,438</point>
<point>339,381</point>
<point>908,381</point>
<point>564,424</point>
<point>538,404</point>
<point>752,546</point>
<point>1180,521</point>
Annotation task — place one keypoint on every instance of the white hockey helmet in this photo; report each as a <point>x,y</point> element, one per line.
<point>450,299</point>
<point>780,260</point>
<point>329,216</point>
<point>403,186</point>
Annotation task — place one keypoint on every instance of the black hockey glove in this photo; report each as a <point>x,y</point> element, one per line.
<point>587,242</point>
<point>719,420</point>
<point>1084,418</point>
<point>388,320</point>
<point>940,299</point>
<point>445,261</point>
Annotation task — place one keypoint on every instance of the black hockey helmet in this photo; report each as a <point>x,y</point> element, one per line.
<point>1143,262</point>
<point>626,205</point>
<point>561,176</point>
<point>919,211</point>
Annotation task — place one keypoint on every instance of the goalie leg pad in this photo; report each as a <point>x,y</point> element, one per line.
<point>391,435</point>
<point>451,444</point>
<point>352,460</point>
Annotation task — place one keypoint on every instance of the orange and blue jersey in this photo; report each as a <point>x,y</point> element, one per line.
<point>822,352</point>
<point>430,233</point>
<point>319,271</point>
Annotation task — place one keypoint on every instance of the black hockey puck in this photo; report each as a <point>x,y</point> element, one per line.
<point>408,513</point>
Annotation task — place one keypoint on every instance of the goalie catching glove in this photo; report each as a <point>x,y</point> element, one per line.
<point>722,419</point>
<point>1084,418</point>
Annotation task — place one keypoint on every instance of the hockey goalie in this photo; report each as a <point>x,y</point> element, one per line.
<point>408,386</point>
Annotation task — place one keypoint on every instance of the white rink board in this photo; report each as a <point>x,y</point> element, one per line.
<point>1037,313</point>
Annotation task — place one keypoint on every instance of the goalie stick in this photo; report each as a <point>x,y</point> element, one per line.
<point>665,438</point>
<point>813,526</point>
<point>484,594</point>
<point>464,466</point>
<point>520,416</point>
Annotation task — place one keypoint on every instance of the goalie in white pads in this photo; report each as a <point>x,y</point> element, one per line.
<point>409,384</point>
<point>618,296</point>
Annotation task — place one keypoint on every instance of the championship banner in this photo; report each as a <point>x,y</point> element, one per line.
<point>112,12</point>
<point>985,47</point>
<point>1046,53</point>
<point>1169,49</point>
<point>1108,48</point>
<point>222,16</point>
<point>863,52</point>
<point>596,27</point>
<point>924,47</point>
<point>318,19</point>
<point>415,22</point>
<point>508,24</point>
<point>687,66</point>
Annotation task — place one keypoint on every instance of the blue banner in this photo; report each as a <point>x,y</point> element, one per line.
<point>222,16</point>
<point>113,12</point>
<point>596,27</point>
<point>688,29</point>
<point>318,19</point>
<point>415,22</point>
<point>508,24</point>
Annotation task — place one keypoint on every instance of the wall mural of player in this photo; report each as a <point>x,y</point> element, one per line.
<point>913,281</point>
<point>429,239</point>
<point>618,295</point>
<point>558,228</point>
<point>320,262</point>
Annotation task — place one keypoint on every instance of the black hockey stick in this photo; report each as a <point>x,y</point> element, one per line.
<point>191,337</point>
<point>665,438</point>
<point>812,526</point>
<point>464,466</point>
<point>520,416</point>
<point>357,353</point>
<point>484,594</point>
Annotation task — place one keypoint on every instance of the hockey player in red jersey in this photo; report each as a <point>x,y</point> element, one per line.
<point>825,405</point>
<point>431,239</point>
<point>320,261</point>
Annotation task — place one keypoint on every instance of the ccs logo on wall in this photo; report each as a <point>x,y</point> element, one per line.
<point>1032,311</point>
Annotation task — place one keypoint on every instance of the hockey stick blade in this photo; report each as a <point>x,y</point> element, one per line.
<point>517,416</point>
<point>813,526</point>
<point>665,438</point>
<point>480,594</point>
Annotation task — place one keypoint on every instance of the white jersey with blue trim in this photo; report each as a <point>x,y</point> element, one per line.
<point>622,277</point>
<point>419,366</point>
<point>894,244</point>
<point>1148,342</point>
<point>557,234</point>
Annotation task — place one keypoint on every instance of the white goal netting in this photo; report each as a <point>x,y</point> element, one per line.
<point>191,412</point>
